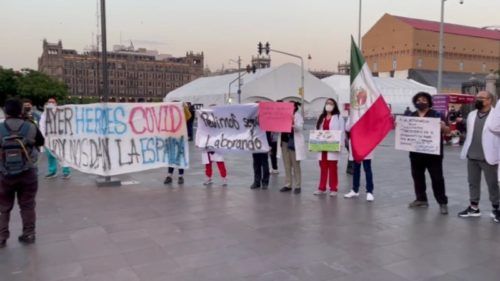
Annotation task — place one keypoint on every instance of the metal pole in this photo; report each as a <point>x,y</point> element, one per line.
<point>359,25</point>
<point>104,52</point>
<point>302,87</point>
<point>239,79</point>
<point>441,47</point>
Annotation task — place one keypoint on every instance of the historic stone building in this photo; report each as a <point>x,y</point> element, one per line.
<point>134,74</point>
<point>408,48</point>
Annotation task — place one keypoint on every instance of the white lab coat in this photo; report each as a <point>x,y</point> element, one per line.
<point>215,157</point>
<point>490,141</point>
<point>336,123</point>
<point>300,143</point>
<point>494,127</point>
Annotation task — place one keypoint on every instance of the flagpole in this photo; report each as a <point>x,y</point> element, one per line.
<point>359,25</point>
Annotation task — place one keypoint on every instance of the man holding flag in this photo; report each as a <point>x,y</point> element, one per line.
<point>370,118</point>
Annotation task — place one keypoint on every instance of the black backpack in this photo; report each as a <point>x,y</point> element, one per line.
<point>15,150</point>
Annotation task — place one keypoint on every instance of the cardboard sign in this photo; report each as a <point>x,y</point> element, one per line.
<point>325,140</point>
<point>418,134</point>
<point>276,116</point>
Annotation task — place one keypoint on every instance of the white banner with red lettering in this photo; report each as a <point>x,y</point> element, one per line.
<point>117,138</point>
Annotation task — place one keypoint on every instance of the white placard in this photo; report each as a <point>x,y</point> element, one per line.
<point>418,134</point>
<point>232,128</point>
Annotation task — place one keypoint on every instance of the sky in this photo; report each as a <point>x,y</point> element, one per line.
<point>222,29</point>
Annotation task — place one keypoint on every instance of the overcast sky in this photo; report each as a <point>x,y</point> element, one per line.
<point>222,29</point>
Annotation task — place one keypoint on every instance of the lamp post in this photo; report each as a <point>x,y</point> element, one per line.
<point>239,77</point>
<point>441,48</point>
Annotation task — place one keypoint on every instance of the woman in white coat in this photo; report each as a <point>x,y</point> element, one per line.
<point>293,150</point>
<point>207,157</point>
<point>330,119</point>
<point>367,166</point>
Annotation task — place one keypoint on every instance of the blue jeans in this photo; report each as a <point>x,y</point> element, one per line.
<point>367,166</point>
<point>52,161</point>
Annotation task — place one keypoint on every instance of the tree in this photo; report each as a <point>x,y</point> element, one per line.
<point>8,84</point>
<point>39,87</point>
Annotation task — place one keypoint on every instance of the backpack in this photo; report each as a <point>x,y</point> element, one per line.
<point>14,155</point>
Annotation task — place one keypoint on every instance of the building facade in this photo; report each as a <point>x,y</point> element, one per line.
<point>134,74</point>
<point>408,48</point>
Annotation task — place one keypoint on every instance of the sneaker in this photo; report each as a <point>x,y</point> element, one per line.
<point>254,186</point>
<point>168,180</point>
<point>180,180</point>
<point>333,193</point>
<point>208,182</point>
<point>497,217</point>
<point>369,197</point>
<point>265,186</point>
<point>274,172</point>
<point>443,209</point>
<point>66,177</point>
<point>470,212</point>
<point>285,189</point>
<point>297,190</point>
<point>319,192</point>
<point>351,194</point>
<point>224,182</point>
<point>27,239</point>
<point>50,175</point>
<point>418,204</point>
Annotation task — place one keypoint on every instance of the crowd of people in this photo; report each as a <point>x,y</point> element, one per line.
<point>21,141</point>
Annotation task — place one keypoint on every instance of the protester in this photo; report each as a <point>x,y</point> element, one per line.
<point>481,149</point>
<point>273,143</point>
<point>367,166</point>
<point>433,163</point>
<point>190,112</point>
<point>494,126</point>
<point>51,159</point>
<point>28,112</point>
<point>293,150</point>
<point>329,119</point>
<point>168,179</point>
<point>19,143</point>
<point>207,158</point>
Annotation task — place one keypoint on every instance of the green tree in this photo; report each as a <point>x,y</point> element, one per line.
<point>39,87</point>
<point>8,84</point>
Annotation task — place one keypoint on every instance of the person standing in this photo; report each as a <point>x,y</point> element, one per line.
<point>273,143</point>
<point>330,119</point>
<point>407,111</point>
<point>481,149</point>
<point>169,178</point>
<point>190,112</point>
<point>207,158</point>
<point>494,127</point>
<point>367,166</point>
<point>19,139</point>
<point>432,163</point>
<point>261,168</point>
<point>293,150</point>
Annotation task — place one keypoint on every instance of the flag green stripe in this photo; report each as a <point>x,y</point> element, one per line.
<point>357,60</point>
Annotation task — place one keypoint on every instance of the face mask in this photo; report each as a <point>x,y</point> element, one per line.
<point>329,108</point>
<point>421,106</point>
<point>479,104</point>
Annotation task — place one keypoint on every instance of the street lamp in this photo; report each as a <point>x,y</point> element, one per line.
<point>301,90</point>
<point>239,77</point>
<point>441,48</point>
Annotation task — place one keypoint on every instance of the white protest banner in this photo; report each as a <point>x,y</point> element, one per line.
<point>325,140</point>
<point>418,134</point>
<point>230,128</point>
<point>117,138</point>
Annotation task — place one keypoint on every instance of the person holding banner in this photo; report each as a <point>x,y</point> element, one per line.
<point>330,119</point>
<point>293,150</point>
<point>433,163</point>
<point>481,149</point>
<point>168,179</point>
<point>261,168</point>
<point>367,166</point>
<point>207,159</point>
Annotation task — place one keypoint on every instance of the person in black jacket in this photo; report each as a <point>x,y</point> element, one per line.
<point>432,163</point>
<point>24,183</point>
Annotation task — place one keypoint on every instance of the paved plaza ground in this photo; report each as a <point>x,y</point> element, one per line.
<point>148,231</point>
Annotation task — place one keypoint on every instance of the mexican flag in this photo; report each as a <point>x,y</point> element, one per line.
<point>370,117</point>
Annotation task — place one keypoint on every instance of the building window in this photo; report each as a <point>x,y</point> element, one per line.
<point>483,67</point>
<point>394,63</point>
<point>461,66</point>
<point>420,62</point>
<point>375,67</point>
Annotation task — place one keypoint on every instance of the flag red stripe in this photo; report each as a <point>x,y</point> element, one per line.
<point>371,129</point>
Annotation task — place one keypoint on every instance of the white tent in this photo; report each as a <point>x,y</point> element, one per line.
<point>271,84</point>
<point>396,92</point>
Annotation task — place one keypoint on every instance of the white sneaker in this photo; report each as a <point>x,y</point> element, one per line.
<point>319,192</point>
<point>333,193</point>
<point>224,182</point>
<point>351,194</point>
<point>208,182</point>
<point>369,197</point>
<point>275,172</point>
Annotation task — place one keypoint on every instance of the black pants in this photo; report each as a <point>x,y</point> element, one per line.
<point>260,169</point>
<point>434,164</point>
<point>24,186</point>
<point>171,171</point>
<point>190,130</point>
<point>273,155</point>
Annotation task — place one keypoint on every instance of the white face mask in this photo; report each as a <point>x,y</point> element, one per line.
<point>329,108</point>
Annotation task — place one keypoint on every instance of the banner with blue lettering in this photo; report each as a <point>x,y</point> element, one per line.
<point>231,128</point>
<point>117,138</point>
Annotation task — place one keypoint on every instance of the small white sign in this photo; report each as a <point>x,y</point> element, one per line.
<point>418,134</point>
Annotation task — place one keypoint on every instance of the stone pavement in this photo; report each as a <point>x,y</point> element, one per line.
<point>148,231</point>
